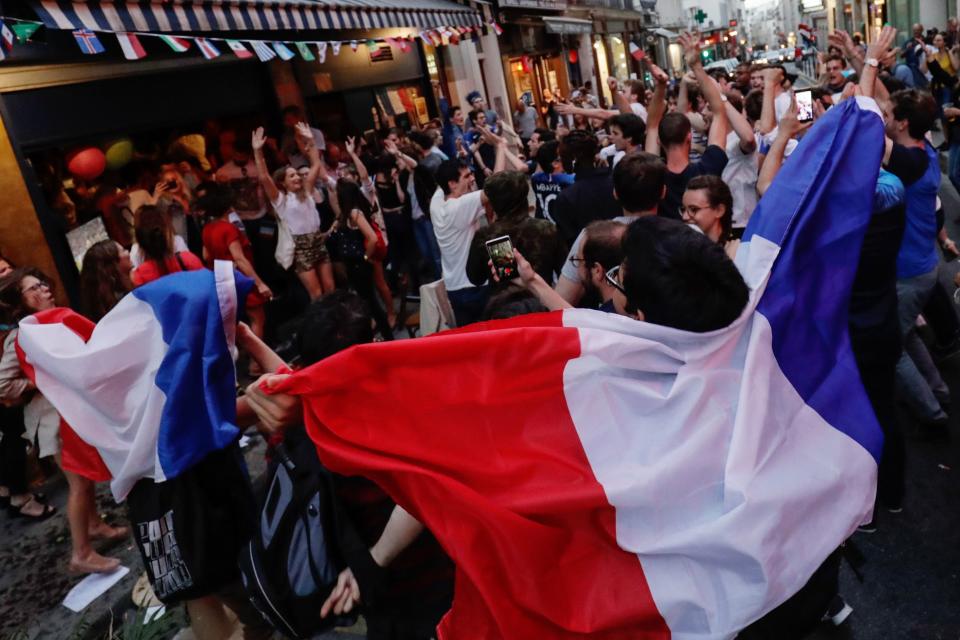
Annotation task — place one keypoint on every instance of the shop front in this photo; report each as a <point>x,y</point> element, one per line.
<point>535,58</point>
<point>200,79</point>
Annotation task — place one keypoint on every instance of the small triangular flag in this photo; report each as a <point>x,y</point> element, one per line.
<point>336,47</point>
<point>283,51</point>
<point>637,51</point>
<point>405,45</point>
<point>322,52</point>
<point>25,30</point>
<point>305,52</point>
<point>264,53</point>
<point>354,44</point>
<point>179,45</point>
<point>391,41</point>
<point>207,48</point>
<point>88,42</point>
<point>131,47</point>
<point>6,36</point>
<point>239,50</point>
<point>371,44</point>
<point>497,29</point>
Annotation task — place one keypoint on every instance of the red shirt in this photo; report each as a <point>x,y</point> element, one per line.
<point>217,238</point>
<point>150,270</point>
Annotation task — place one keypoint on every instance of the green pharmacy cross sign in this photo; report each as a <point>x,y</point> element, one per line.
<point>700,16</point>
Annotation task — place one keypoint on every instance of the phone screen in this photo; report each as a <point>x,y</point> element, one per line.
<point>804,106</point>
<point>500,251</point>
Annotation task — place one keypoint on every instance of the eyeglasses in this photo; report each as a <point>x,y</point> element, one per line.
<point>577,260</point>
<point>692,209</point>
<point>613,280</point>
<point>35,287</point>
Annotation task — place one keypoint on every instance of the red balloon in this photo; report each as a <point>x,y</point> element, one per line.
<point>86,163</point>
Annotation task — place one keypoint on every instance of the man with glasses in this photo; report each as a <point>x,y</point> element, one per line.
<point>639,186</point>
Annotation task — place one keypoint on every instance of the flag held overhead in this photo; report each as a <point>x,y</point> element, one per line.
<point>654,483</point>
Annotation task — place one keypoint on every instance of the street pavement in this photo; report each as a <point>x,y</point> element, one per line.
<point>910,587</point>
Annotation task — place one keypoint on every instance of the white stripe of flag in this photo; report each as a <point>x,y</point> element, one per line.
<point>130,44</point>
<point>207,49</point>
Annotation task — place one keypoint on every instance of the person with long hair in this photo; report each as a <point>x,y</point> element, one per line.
<point>222,240</point>
<point>353,241</point>
<point>708,205</point>
<point>292,198</point>
<point>361,177</point>
<point>14,491</point>
<point>155,237</point>
<point>105,278</point>
<point>23,292</point>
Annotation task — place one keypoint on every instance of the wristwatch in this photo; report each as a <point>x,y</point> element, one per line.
<point>873,62</point>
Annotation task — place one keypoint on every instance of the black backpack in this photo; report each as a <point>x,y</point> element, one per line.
<point>301,543</point>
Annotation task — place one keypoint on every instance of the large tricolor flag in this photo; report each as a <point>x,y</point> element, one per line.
<point>597,477</point>
<point>153,388</point>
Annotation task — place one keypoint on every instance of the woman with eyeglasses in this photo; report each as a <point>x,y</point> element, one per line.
<point>24,292</point>
<point>708,206</point>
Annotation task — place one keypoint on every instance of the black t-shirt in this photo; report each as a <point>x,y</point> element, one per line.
<point>589,198</point>
<point>908,163</point>
<point>712,163</point>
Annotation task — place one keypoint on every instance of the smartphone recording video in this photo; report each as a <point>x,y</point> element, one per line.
<point>500,251</point>
<point>804,106</point>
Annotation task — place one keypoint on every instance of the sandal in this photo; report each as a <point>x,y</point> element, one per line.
<point>17,511</point>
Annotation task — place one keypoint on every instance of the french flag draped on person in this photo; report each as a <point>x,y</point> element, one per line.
<point>597,477</point>
<point>153,387</point>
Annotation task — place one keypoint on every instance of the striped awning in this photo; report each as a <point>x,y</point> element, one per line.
<point>184,16</point>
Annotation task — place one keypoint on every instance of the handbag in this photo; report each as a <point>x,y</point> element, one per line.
<point>285,245</point>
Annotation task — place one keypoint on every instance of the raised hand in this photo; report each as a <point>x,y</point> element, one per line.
<point>303,130</point>
<point>613,84</point>
<point>258,140</point>
<point>349,145</point>
<point>881,45</point>
<point>691,48</point>
<point>659,75</point>
<point>790,125</point>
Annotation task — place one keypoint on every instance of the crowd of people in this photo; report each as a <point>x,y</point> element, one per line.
<point>590,197</point>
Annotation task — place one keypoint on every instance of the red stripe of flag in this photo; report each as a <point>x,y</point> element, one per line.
<point>506,489</point>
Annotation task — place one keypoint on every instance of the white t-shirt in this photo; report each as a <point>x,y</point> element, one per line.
<point>300,216</point>
<point>570,270</point>
<point>455,221</point>
<point>136,254</point>
<point>639,110</point>
<point>740,174</point>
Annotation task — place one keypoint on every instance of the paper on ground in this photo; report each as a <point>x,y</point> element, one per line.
<point>91,588</point>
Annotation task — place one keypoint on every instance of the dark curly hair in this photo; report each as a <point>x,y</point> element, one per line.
<point>12,307</point>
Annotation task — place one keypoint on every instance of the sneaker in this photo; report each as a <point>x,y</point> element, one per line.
<point>868,527</point>
<point>838,611</point>
<point>895,509</point>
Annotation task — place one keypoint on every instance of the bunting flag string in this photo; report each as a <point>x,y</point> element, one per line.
<point>265,50</point>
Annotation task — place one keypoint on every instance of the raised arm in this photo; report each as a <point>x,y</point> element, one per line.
<point>257,142</point>
<point>748,141</point>
<point>789,128</point>
<point>403,160</point>
<point>768,116</point>
<point>308,147</point>
<point>709,88</point>
<point>351,147</point>
<point>619,99</point>
<point>656,109</point>
<point>877,50</point>
<point>505,158</point>
<point>565,109</point>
